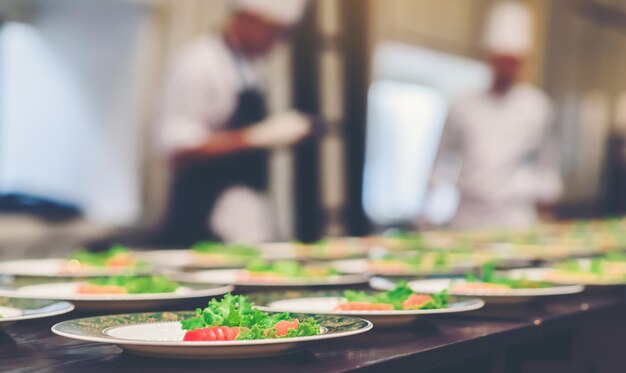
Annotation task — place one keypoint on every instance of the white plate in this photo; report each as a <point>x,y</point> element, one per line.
<point>544,274</point>
<point>184,258</point>
<point>166,258</point>
<point>15,309</point>
<point>352,266</point>
<point>99,302</point>
<point>232,276</point>
<point>278,250</point>
<point>337,248</point>
<point>55,268</point>
<point>160,335</point>
<point>328,305</point>
<point>495,296</point>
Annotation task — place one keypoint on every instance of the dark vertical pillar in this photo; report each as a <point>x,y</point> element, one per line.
<point>356,78</point>
<point>305,87</point>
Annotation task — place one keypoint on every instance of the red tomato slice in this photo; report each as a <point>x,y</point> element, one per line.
<point>212,333</point>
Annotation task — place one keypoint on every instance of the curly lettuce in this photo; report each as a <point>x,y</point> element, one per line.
<point>138,284</point>
<point>396,297</point>
<point>238,311</point>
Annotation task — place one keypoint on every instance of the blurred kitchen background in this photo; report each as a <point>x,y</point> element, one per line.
<point>81,80</point>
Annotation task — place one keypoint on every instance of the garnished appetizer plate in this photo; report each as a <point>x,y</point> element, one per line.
<point>116,260</point>
<point>489,285</point>
<point>399,306</point>
<point>328,249</point>
<point>331,248</point>
<point>564,276</point>
<point>393,265</point>
<point>118,293</point>
<point>512,292</point>
<point>274,274</point>
<point>209,255</point>
<point>228,329</point>
<point>17,309</point>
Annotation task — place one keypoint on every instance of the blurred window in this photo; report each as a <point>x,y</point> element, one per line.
<point>405,122</point>
<point>71,91</point>
<point>407,107</point>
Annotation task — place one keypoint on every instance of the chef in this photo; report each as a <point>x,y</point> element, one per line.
<point>496,148</point>
<point>216,132</point>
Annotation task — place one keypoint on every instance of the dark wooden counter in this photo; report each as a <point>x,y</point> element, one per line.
<point>566,333</point>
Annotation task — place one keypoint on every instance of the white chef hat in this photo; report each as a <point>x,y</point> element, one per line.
<point>509,28</point>
<point>286,12</point>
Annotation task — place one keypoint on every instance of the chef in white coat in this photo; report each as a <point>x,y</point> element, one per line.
<point>216,132</point>
<point>496,147</point>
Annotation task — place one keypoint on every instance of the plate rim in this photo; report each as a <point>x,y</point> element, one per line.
<point>477,304</point>
<point>199,293</point>
<point>216,344</point>
<point>85,273</point>
<point>192,278</point>
<point>583,283</point>
<point>514,293</point>
<point>148,256</point>
<point>69,307</point>
<point>341,263</point>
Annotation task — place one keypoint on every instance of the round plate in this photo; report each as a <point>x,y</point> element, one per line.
<point>278,250</point>
<point>325,305</point>
<point>496,296</point>
<point>335,248</point>
<point>352,266</point>
<point>118,302</point>
<point>185,259</point>
<point>232,276</point>
<point>160,335</point>
<point>552,275</point>
<point>55,268</point>
<point>17,309</point>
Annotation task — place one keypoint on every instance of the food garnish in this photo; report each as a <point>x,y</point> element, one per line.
<point>117,256</point>
<point>489,280</point>
<point>128,285</point>
<point>235,318</point>
<point>282,269</point>
<point>399,298</point>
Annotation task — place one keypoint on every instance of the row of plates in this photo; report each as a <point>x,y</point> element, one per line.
<point>159,333</point>
<point>204,284</point>
<point>65,291</point>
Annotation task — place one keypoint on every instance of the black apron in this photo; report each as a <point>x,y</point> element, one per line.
<point>196,186</point>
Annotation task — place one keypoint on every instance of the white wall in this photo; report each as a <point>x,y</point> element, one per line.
<point>70,105</point>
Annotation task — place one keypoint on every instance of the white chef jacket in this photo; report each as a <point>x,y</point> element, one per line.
<point>201,92</point>
<point>497,149</point>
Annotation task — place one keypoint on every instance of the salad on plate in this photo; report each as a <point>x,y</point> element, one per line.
<point>117,258</point>
<point>280,270</point>
<point>607,269</point>
<point>399,298</point>
<point>236,318</point>
<point>489,280</point>
<point>128,285</point>
<point>217,253</point>
<point>336,248</point>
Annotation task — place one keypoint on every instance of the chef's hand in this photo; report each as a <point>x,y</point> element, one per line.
<point>280,130</point>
